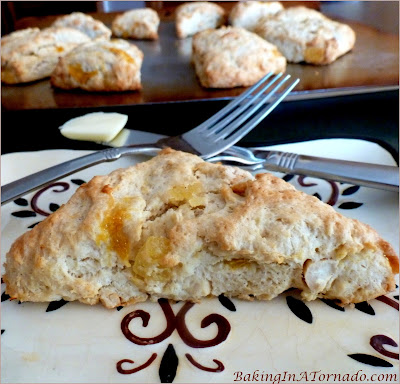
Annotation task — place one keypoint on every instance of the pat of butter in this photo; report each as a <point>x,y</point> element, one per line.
<point>96,126</point>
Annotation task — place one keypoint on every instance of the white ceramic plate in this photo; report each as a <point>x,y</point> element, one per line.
<point>283,340</point>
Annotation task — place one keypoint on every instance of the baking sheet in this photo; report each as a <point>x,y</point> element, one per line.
<point>168,75</point>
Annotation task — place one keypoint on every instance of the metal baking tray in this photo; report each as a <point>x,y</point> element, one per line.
<point>169,77</point>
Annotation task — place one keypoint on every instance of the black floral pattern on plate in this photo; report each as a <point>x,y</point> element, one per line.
<point>226,302</point>
<point>370,360</point>
<point>169,365</point>
<point>366,308</point>
<point>300,309</point>
<point>54,305</point>
<point>332,304</point>
<point>21,202</point>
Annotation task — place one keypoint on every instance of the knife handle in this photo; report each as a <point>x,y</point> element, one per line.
<point>29,183</point>
<point>370,175</point>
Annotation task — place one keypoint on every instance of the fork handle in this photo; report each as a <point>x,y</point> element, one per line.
<point>369,175</point>
<point>29,183</point>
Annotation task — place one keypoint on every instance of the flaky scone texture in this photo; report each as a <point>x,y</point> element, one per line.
<point>34,55</point>
<point>137,24</point>
<point>196,16</point>
<point>232,57</point>
<point>180,228</point>
<point>102,65</point>
<point>247,14</point>
<point>95,29</point>
<point>306,35</point>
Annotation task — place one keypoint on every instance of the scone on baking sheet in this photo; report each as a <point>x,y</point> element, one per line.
<point>231,57</point>
<point>196,16</point>
<point>37,57</point>
<point>247,14</point>
<point>102,65</point>
<point>181,228</point>
<point>95,29</point>
<point>306,35</point>
<point>137,24</point>
<point>12,41</point>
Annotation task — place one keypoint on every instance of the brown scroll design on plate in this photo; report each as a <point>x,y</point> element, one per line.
<point>336,193</point>
<point>177,322</point>
<point>334,189</point>
<point>57,187</point>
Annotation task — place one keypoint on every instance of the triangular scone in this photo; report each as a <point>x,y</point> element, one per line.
<point>181,228</point>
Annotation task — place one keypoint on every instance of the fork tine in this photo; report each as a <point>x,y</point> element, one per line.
<point>230,128</point>
<point>213,119</point>
<point>240,133</point>
<point>245,105</point>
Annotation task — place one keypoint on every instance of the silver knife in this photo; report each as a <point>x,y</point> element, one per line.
<point>365,174</point>
<point>377,176</point>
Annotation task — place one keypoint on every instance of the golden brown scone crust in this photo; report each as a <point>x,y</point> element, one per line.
<point>247,14</point>
<point>304,34</point>
<point>137,24</point>
<point>181,228</point>
<point>102,65</point>
<point>196,16</point>
<point>95,29</point>
<point>232,57</point>
<point>35,55</point>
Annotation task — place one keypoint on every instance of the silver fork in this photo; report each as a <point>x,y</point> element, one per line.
<point>208,139</point>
